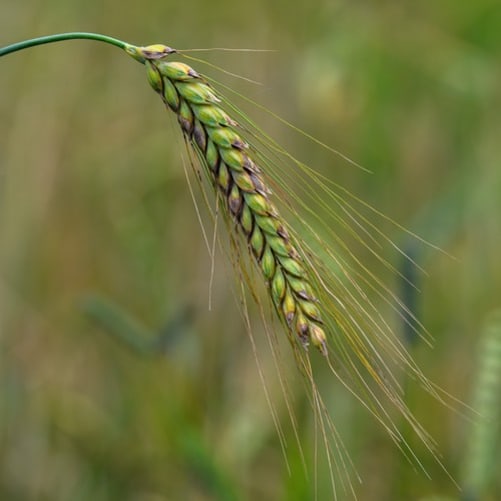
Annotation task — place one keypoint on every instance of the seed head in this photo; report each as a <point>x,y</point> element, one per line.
<point>240,182</point>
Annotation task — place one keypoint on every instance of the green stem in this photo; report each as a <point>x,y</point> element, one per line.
<point>61,37</point>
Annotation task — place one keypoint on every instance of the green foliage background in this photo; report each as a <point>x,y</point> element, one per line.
<point>94,202</point>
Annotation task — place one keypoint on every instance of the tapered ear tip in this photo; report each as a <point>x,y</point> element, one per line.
<point>150,52</point>
<point>318,339</point>
<point>157,51</point>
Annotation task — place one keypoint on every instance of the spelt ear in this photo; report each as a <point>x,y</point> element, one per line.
<point>239,182</point>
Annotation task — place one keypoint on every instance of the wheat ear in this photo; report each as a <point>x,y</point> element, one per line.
<point>235,175</point>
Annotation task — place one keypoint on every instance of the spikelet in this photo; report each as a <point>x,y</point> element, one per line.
<point>234,173</point>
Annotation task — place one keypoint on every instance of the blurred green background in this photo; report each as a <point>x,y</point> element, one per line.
<point>94,204</point>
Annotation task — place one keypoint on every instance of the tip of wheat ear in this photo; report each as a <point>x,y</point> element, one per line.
<point>151,52</point>
<point>240,183</point>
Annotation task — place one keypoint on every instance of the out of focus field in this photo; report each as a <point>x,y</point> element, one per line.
<point>94,203</point>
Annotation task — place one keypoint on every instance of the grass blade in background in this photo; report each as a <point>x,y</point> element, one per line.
<point>482,460</point>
